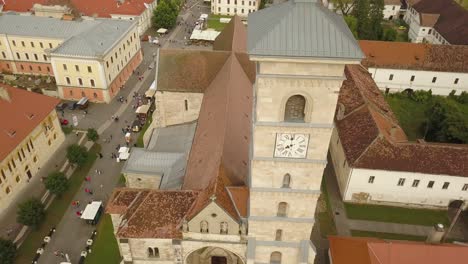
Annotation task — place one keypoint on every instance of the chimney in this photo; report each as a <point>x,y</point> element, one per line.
<point>436,234</point>
<point>4,94</point>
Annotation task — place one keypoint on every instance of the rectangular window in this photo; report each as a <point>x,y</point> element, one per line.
<point>27,56</point>
<point>415,183</point>
<point>89,69</point>
<point>4,176</point>
<point>22,44</point>
<point>446,185</point>
<point>3,54</point>
<point>77,68</point>
<point>67,79</point>
<point>434,79</point>
<point>65,67</point>
<point>35,57</point>
<point>371,179</point>
<point>228,9</point>
<point>456,81</point>
<point>186,105</point>
<point>13,162</point>
<point>45,57</point>
<point>430,184</point>
<point>19,157</point>
<point>41,45</point>
<point>50,45</point>
<point>14,43</point>
<point>412,78</point>
<point>32,44</point>
<point>30,142</point>
<point>80,81</point>
<point>401,182</point>
<point>464,188</point>
<point>430,31</point>
<point>390,77</point>
<point>18,56</point>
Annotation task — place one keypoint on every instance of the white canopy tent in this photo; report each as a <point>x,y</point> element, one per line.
<point>143,109</point>
<point>162,31</point>
<point>209,35</point>
<point>91,210</point>
<point>124,149</point>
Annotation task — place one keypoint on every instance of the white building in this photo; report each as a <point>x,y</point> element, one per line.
<point>375,163</point>
<point>437,22</point>
<point>399,66</point>
<point>234,7</point>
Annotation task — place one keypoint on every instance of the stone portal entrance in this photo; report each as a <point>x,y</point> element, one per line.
<point>213,255</point>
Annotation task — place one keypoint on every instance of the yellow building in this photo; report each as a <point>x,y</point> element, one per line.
<point>91,58</point>
<point>30,134</point>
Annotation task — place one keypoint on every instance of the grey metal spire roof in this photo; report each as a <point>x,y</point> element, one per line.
<point>300,28</point>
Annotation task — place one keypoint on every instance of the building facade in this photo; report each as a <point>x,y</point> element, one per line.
<point>94,58</point>
<point>295,95</point>
<point>437,22</point>
<point>140,11</point>
<point>31,134</point>
<point>375,163</point>
<point>241,8</point>
<point>439,68</point>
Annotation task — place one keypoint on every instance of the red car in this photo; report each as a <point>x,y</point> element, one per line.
<point>63,122</point>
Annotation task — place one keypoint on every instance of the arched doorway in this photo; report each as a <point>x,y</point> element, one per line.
<point>213,255</point>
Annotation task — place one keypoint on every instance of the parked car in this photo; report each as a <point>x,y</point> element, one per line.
<point>63,122</point>
<point>62,106</point>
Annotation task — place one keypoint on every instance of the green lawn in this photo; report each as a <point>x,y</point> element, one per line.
<point>411,114</point>
<point>56,210</point>
<point>105,248</point>
<point>143,130</point>
<point>213,22</point>
<point>382,213</point>
<point>358,233</point>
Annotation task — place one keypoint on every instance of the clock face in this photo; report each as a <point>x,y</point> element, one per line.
<point>291,145</point>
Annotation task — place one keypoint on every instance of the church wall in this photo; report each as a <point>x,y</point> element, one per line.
<point>139,248</point>
<point>317,69</point>
<point>265,140</point>
<point>134,180</point>
<point>174,108</point>
<point>299,204</point>
<point>239,249</point>
<point>288,254</point>
<point>214,223</point>
<point>266,230</point>
<point>304,176</point>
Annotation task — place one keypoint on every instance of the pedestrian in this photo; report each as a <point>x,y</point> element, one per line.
<point>96,171</point>
<point>78,203</point>
<point>118,146</point>
<point>56,253</point>
<point>100,155</point>
<point>86,190</point>
<point>102,186</point>
<point>110,136</point>
<point>90,192</point>
<point>88,179</point>
<point>99,172</point>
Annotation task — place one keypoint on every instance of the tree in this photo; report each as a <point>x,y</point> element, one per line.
<point>7,251</point>
<point>56,183</point>
<point>344,6</point>
<point>31,212</point>
<point>390,34</point>
<point>165,15</point>
<point>375,18</point>
<point>92,134</point>
<point>352,24</point>
<point>447,122</point>
<point>77,154</point>
<point>361,12</point>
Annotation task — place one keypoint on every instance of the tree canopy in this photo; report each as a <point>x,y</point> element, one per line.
<point>31,212</point>
<point>7,251</point>
<point>165,14</point>
<point>92,134</point>
<point>77,154</point>
<point>56,183</point>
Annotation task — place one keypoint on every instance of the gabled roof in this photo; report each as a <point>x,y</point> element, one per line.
<point>372,138</point>
<point>345,250</point>
<point>20,115</point>
<point>100,8</point>
<point>452,22</point>
<point>150,213</point>
<point>300,28</point>
<point>415,56</point>
<point>233,37</point>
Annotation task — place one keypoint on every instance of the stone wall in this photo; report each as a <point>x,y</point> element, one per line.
<point>134,180</point>
<point>175,108</point>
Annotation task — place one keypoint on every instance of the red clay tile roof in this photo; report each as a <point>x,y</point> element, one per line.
<point>453,20</point>
<point>428,20</point>
<point>372,138</point>
<point>150,213</point>
<point>240,196</point>
<point>232,38</point>
<point>356,250</point>
<point>415,56</point>
<point>21,115</point>
<point>101,8</point>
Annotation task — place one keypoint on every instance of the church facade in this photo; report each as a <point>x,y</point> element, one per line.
<point>253,174</point>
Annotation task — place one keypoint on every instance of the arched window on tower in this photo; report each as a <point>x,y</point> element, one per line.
<point>150,252</point>
<point>275,258</point>
<point>286,180</point>
<point>295,109</point>
<point>282,209</point>
<point>279,235</point>
<point>204,227</point>
<point>223,228</point>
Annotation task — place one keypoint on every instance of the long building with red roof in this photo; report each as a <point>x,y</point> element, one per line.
<point>135,10</point>
<point>30,133</point>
